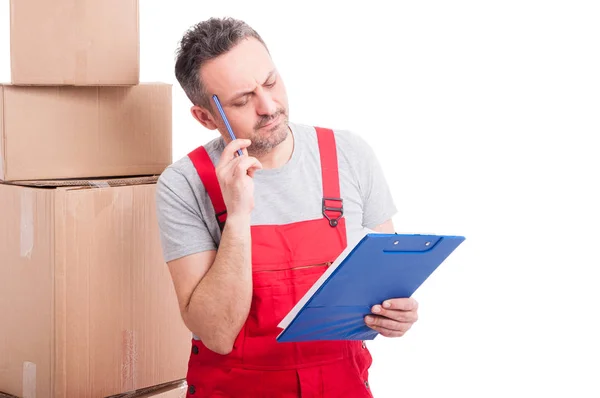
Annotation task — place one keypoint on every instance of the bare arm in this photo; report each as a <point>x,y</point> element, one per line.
<point>387,227</point>
<point>214,288</point>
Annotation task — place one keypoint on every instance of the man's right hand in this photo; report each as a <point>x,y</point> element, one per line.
<point>235,175</point>
<point>214,288</point>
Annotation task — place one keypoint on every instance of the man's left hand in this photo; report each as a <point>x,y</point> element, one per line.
<point>393,317</point>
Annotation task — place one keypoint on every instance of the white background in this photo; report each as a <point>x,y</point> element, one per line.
<point>483,115</point>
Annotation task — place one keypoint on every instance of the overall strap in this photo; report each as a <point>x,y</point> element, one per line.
<point>331,181</point>
<point>329,172</point>
<point>206,171</point>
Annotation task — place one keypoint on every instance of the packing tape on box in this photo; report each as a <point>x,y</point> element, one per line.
<point>27,229</point>
<point>29,379</point>
<point>129,359</point>
<point>99,184</point>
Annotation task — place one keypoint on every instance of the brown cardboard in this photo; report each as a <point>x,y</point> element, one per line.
<point>177,392</point>
<point>87,305</point>
<point>84,132</point>
<point>175,389</point>
<point>96,182</point>
<point>74,42</point>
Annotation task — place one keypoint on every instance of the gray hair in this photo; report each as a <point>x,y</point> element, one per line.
<point>202,42</point>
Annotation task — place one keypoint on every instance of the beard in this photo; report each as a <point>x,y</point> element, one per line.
<point>263,141</point>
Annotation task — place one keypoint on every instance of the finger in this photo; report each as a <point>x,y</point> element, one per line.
<point>244,164</point>
<point>228,169</point>
<point>245,149</point>
<point>373,320</point>
<point>402,304</point>
<point>252,170</point>
<point>398,315</point>
<point>230,150</point>
<point>387,332</point>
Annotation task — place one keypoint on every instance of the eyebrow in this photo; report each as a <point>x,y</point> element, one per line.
<point>243,93</point>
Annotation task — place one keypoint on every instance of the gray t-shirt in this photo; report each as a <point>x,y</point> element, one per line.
<point>288,194</point>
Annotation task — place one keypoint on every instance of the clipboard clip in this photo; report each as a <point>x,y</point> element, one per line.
<point>333,221</point>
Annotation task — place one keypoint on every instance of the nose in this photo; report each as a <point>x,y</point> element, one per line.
<point>265,104</point>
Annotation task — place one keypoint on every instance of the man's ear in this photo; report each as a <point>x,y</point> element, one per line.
<point>204,117</point>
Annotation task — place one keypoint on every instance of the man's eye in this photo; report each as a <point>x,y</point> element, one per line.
<point>271,84</point>
<point>240,104</point>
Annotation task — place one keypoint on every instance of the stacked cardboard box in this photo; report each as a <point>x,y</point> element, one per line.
<point>87,306</point>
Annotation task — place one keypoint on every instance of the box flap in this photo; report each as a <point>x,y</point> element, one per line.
<point>26,290</point>
<point>116,298</point>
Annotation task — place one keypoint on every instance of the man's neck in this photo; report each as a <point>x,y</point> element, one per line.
<point>280,155</point>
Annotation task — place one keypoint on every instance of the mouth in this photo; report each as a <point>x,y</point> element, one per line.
<point>272,122</point>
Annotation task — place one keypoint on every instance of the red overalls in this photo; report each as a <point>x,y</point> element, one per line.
<point>286,261</point>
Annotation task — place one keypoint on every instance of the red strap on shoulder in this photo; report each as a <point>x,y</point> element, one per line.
<point>206,171</point>
<point>333,208</point>
<point>331,180</point>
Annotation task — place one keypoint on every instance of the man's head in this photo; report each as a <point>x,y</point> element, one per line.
<point>228,58</point>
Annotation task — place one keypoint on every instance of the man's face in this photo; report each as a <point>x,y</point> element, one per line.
<point>252,94</point>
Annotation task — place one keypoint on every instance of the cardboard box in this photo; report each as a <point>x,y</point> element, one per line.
<point>74,42</point>
<point>87,305</point>
<point>84,132</point>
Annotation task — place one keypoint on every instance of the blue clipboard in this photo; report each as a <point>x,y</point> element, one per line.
<point>379,267</point>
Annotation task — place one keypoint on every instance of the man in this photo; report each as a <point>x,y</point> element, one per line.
<point>246,236</point>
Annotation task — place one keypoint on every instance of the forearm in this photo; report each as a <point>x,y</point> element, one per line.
<point>220,304</point>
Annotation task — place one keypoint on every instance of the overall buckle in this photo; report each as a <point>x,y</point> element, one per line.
<point>333,221</point>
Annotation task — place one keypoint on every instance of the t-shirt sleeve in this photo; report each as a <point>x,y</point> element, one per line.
<point>183,230</point>
<point>377,200</point>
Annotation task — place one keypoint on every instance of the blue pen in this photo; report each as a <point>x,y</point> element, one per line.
<point>222,112</point>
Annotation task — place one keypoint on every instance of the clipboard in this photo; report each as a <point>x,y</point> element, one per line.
<point>379,267</point>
